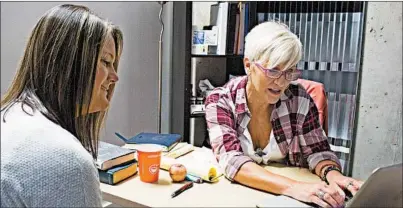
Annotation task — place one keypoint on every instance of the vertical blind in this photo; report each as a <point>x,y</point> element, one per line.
<point>331,34</point>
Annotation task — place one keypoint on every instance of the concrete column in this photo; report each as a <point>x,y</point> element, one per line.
<point>379,127</point>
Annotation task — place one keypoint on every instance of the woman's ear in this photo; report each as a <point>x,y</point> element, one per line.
<point>246,64</point>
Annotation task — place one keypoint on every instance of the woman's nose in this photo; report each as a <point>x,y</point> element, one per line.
<point>113,76</point>
<point>281,81</point>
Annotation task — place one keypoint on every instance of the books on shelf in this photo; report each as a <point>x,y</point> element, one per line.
<point>233,21</point>
<point>241,31</point>
<point>118,173</point>
<point>229,22</point>
<point>110,155</point>
<point>241,27</point>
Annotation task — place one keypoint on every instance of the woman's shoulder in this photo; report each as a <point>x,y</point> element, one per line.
<point>296,93</point>
<point>296,99</point>
<point>228,91</point>
<point>45,158</point>
<point>36,153</point>
<point>33,140</point>
<point>297,89</point>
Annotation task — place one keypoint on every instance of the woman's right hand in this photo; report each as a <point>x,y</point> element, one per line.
<point>318,193</point>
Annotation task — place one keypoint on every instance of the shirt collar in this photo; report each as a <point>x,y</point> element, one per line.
<point>241,105</point>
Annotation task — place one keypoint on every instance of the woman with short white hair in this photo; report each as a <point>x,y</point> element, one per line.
<point>264,117</point>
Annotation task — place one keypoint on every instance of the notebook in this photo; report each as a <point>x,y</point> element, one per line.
<point>179,150</point>
<point>200,163</point>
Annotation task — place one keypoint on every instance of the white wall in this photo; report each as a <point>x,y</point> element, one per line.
<point>379,127</point>
<point>201,13</point>
<point>134,105</point>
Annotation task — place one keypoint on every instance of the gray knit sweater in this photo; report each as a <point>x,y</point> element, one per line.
<point>43,165</point>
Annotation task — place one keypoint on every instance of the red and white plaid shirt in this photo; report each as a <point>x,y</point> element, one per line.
<point>294,120</point>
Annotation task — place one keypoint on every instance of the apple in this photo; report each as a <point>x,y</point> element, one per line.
<point>177,172</point>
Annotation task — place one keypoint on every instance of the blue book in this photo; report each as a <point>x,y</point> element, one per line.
<point>118,173</point>
<point>167,141</point>
<point>246,24</point>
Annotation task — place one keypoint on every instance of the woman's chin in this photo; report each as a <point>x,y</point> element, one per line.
<point>272,99</point>
<point>101,106</point>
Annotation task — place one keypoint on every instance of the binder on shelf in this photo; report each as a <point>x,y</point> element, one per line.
<point>233,20</point>
<point>241,34</point>
<point>219,17</point>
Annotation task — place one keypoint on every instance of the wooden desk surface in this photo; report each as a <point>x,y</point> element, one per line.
<point>133,192</point>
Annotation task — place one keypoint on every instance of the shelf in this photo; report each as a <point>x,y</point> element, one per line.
<point>198,115</point>
<point>217,56</point>
<point>308,7</point>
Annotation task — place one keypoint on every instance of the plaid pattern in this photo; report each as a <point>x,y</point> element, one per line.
<point>295,125</point>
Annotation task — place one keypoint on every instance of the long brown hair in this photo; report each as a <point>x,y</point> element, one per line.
<point>57,72</point>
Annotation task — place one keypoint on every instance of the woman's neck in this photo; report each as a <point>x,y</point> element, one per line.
<point>256,102</point>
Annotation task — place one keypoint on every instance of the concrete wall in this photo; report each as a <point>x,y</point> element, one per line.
<point>134,105</point>
<point>379,127</point>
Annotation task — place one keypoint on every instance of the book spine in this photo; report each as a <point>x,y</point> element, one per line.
<point>246,28</point>
<point>232,13</point>
<point>241,29</point>
<point>222,19</point>
<point>105,177</point>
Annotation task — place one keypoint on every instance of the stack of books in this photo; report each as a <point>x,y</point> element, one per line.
<point>115,163</point>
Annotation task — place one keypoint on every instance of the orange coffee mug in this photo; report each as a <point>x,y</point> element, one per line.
<point>149,159</point>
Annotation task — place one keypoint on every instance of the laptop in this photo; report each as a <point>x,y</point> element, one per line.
<point>382,189</point>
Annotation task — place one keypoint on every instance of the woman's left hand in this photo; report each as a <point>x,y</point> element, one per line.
<point>344,182</point>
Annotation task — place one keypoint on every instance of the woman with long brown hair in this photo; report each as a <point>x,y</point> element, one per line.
<point>52,113</point>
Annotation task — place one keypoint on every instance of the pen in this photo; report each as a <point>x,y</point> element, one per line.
<point>121,137</point>
<point>182,189</point>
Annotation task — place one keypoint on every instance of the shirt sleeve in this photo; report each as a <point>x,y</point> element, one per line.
<point>223,136</point>
<point>314,144</point>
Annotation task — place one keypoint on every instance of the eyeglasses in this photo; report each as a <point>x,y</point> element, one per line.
<point>290,74</point>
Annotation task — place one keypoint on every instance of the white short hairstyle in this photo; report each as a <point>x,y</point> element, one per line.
<point>273,42</point>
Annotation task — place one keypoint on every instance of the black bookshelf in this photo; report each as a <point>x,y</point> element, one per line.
<point>309,6</point>
<point>181,69</point>
<point>235,61</point>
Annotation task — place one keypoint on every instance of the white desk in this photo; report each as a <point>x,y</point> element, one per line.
<point>133,193</point>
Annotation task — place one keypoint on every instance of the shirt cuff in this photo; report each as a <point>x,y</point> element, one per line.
<point>234,164</point>
<point>316,158</point>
